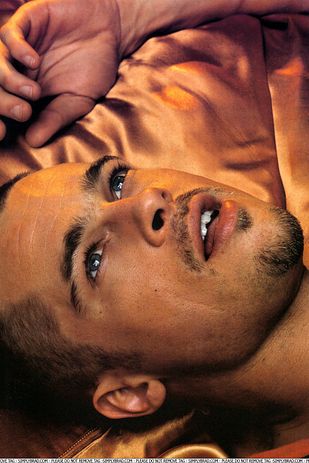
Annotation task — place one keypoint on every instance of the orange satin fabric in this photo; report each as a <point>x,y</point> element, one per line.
<point>164,441</point>
<point>228,101</point>
<point>288,78</point>
<point>196,100</point>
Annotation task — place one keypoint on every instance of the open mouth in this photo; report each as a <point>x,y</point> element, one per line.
<point>211,222</point>
<point>209,219</point>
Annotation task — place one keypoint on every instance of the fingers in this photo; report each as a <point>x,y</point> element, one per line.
<point>14,82</point>
<point>12,35</point>
<point>12,86</point>
<point>63,110</point>
<point>14,107</point>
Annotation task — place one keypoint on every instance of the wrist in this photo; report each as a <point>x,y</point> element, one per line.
<point>136,24</point>
<point>141,18</point>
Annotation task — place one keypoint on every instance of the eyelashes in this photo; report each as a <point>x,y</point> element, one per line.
<point>92,260</point>
<point>94,254</point>
<point>116,180</point>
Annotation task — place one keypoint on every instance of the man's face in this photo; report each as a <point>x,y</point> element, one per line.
<point>121,257</point>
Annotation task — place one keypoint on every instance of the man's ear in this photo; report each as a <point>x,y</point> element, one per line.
<point>128,396</point>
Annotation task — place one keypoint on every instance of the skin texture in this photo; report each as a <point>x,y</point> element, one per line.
<point>71,50</point>
<point>145,271</point>
<point>205,331</point>
<point>63,41</point>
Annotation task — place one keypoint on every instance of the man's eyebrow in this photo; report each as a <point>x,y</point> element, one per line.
<point>75,300</point>
<point>74,234</point>
<point>91,176</point>
<point>6,187</point>
<point>72,240</point>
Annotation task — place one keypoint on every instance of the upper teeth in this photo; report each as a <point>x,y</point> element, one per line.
<point>205,219</point>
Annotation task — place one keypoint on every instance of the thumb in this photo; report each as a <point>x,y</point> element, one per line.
<point>59,113</point>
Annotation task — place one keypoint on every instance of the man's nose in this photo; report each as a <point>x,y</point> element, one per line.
<point>152,211</point>
<point>148,213</point>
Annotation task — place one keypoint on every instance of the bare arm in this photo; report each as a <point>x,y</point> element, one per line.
<point>72,49</point>
<point>149,16</point>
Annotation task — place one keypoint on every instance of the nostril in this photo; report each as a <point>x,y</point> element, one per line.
<point>157,221</point>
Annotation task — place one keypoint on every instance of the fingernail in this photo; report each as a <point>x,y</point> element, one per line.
<point>27,90</point>
<point>17,112</point>
<point>29,60</point>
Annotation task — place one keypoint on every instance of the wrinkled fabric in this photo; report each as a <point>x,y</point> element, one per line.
<point>228,101</point>
<point>189,101</point>
<point>165,441</point>
<point>287,62</point>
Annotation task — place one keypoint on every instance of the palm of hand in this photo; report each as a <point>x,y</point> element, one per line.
<point>78,45</point>
<point>77,56</point>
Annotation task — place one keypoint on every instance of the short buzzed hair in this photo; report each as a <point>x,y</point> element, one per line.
<point>41,369</point>
<point>5,187</point>
<point>44,369</point>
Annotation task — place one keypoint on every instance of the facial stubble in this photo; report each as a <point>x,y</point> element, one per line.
<point>275,259</point>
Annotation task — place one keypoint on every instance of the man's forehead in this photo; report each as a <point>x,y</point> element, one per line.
<point>33,223</point>
<point>52,182</point>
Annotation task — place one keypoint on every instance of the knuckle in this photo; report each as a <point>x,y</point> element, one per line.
<point>4,80</point>
<point>4,31</point>
<point>56,116</point>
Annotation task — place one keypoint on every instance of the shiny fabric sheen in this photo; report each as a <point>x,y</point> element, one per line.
<point>228,101</point>
<point>190,101</point>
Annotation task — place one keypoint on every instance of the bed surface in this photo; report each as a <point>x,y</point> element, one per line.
<point>229,101</point>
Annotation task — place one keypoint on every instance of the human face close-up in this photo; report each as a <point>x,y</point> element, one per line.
<point>122,258</point>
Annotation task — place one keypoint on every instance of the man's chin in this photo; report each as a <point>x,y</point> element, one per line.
<point>285,253</point>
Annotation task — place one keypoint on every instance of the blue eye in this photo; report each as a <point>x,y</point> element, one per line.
<point>93,263</point>
<point>117,180</point>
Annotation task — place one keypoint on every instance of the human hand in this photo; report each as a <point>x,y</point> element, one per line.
<point>72,48</point>
<point>15,90</point>
<point>70,52</point>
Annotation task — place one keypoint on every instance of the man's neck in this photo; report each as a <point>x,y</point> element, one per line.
<point>280,373</point>
<point>285,371</point>
<point>272,388</point>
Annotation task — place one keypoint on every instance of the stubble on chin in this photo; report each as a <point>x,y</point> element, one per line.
<point>244,220</point>
<point>185,247</point>
<point>277,258</point>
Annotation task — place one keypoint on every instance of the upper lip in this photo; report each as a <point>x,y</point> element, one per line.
<point>198,204</point>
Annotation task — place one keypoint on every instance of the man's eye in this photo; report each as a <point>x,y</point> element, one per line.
<point>93,264</point>
<point>117,180</point>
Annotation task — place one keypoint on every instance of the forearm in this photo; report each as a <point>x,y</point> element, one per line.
<point>141,18</point>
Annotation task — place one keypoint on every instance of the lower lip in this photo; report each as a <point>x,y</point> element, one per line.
<point>198,204</point>
<point>225,225</point>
